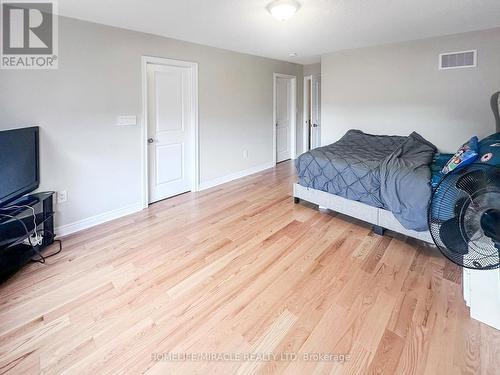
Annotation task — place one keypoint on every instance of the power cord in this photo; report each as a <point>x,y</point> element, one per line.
<point>59,242</point>
<point>42,259</point>
<point>37,232</point>
<point>38,240</point>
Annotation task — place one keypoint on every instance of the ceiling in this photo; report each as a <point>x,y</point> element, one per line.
<point>320,26</point>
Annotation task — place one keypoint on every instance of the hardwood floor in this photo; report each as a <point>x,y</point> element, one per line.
<point>240,269</point>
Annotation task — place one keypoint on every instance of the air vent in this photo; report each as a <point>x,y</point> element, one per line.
<point>457,60</point>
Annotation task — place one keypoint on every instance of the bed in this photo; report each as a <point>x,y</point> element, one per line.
<point>383,180</point>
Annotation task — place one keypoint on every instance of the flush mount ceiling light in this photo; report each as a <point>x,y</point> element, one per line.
<point>283,10</point>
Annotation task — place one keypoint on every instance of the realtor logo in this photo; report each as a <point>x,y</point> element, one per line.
<point>29,35</point>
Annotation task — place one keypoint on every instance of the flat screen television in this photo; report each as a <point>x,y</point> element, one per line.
<point>19,163</point>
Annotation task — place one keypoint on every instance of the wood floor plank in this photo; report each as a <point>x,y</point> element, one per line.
<point>241,269</point>
<point>387,355</point>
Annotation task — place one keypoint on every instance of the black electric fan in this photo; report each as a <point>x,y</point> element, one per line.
<point>464,217</point>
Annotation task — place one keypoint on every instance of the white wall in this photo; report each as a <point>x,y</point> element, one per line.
<point>397,89</point>
<point>312,69</point>
<point>99,78</point>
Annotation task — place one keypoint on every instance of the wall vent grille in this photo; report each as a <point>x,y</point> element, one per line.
<point>457,60</point>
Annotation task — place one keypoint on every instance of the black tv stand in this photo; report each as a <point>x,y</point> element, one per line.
<point>16,227</point>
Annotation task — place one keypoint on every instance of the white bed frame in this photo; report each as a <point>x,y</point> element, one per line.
<point>376,216</point>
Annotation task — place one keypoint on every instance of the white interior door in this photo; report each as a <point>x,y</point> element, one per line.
<point>170,131</point>
<point>306,136</point>
<point>283,119</point>
<point>315,112</point>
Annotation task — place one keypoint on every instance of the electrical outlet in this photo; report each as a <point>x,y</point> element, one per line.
<point>62,196</point>
<point>245,154</point>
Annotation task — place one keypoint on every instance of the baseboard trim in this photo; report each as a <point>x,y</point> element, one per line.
<point>234,176</point>
<point>92,221</point>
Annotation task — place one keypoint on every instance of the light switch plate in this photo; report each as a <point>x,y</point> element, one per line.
<point>127,121</point>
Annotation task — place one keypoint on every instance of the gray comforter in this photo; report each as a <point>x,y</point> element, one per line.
<point>389,172</point>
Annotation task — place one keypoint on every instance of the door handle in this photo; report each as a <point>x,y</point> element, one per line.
<point>151,140</point>
<point>315,125</point>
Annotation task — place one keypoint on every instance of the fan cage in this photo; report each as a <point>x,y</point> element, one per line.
<point>449,202</point>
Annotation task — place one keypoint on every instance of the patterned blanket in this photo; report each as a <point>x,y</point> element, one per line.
<point>390,172</point>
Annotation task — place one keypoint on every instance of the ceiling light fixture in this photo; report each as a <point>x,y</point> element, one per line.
<point>283,10</point>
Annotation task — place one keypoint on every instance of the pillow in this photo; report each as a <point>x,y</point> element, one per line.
<point>489,149</point>
<point>465,155</point>
<point>437,166</point>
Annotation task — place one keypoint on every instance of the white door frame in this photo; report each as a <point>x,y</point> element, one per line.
<point>305,127</point>
<point>145,60</point>
<point>293,115</point>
